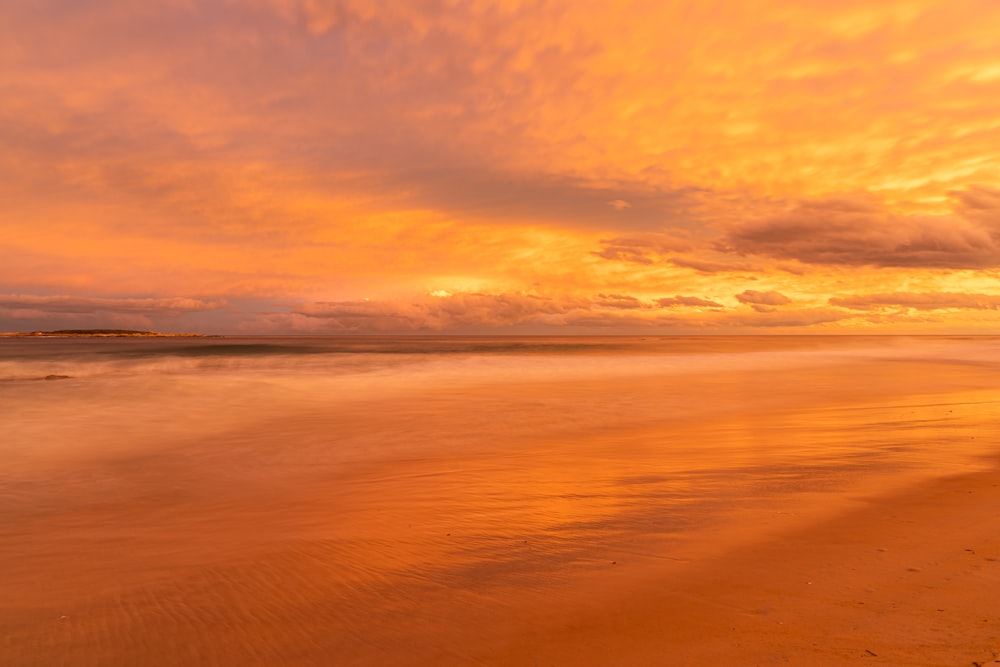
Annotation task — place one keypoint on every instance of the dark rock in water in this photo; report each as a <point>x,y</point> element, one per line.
<point>58,377</point>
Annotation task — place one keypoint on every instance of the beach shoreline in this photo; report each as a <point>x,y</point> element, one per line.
<point>904,579</point>
<point>274,503</point>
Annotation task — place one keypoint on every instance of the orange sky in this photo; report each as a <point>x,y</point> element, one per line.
<point>527,166</point>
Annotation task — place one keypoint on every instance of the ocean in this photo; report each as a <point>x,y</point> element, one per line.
<point>431,500</point>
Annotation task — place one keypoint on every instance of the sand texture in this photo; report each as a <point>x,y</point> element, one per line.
<point>273,504</point>
<point>909,579</point>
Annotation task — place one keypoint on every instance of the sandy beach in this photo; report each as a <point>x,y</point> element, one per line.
<point>908,579</point>
<point>744,503</point>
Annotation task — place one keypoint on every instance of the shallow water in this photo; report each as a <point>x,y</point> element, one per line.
<point>381,500</point>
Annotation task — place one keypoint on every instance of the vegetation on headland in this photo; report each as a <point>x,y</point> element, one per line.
<point>100,332</point>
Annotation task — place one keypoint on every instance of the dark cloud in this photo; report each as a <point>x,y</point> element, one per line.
<point>919,301</point>
<point>492,312</point>
<point>484,311</point>
<point>443,313</point>
<point>642,248</point>
<point>30,312</point>
<point>859,230</point>
<point>693,301</point>
<point>763,298</point>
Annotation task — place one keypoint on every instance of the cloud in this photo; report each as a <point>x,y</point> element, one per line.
<point>691,301</point>
<point>641,248</point>
<point>919,301</point>
<point>763,298</point>
<point>546,314</point>
<point>763,302</point>
<point>859,230</point>
<point>298,150</point>
<point>619,301</point>
<point>91,305</point>
<point>455,311</point>
<point>23,312</point>
<point>709,266</point>
<point>482,311</point>
<point>487,193</point>
<point>490,311</point>
<point>980,204</point>
<point>771,318</point>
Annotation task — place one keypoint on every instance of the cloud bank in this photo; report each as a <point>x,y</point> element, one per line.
<point>919,301</point>
<point>689,301</point>
<point>859,231</point>
<point>20,312</point>
<point>515,312</point>
<point>91,305</point>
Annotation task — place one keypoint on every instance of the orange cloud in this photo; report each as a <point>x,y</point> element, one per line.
<point>70,304</point>
<point>712,266</point>
<point>619,301</point>
<point>642,248</point>
<point>918,301</point>
<point>322,151</point>
<point>692,301</point>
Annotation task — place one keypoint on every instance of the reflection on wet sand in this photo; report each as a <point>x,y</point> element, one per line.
<point>467,510</point>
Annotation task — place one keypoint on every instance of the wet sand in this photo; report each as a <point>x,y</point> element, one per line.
<point>909,579</point>
<point>818,512</point>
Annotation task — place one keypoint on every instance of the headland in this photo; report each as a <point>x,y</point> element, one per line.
<point>117,333</point>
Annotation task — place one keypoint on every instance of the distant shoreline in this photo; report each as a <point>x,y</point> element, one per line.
<point>101,333</point>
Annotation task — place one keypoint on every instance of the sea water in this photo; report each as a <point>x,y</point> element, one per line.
<point>423,500</point>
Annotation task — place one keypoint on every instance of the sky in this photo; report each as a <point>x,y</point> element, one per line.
<point>514,166</point>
